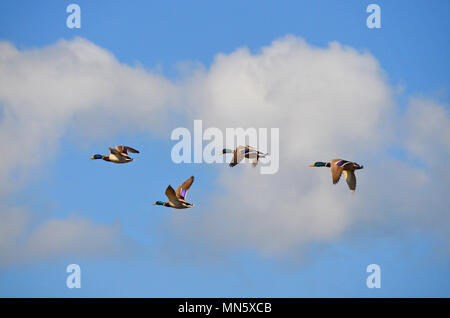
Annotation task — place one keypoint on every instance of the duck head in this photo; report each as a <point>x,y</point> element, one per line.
<point>224,151</point>
<point>320,164</point>
<point>97,156</point>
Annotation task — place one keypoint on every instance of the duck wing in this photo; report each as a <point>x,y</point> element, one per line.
<point>171,195</point>
<point>238,154</point>
<point>351,179</point>
<point>336,169</point>
<point>116,153</point>
<point>182,189</point>
<point>253,154</point>
<point>125,149</point>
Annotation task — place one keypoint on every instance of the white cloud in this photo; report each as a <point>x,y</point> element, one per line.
<point>70,84</point>
<point>72,236</point>
<point>323,99</point>
<point>328,103</point>
<point>427,129</point>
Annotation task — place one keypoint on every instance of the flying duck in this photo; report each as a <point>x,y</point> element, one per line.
<point>117,155</point>
<point>339,166</point>
<point>177,199</point>
<point>241,152</point>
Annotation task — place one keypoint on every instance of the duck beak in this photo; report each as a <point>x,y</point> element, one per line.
<point>92,158</point>
<point>154,204</point>
<point>311,165</point>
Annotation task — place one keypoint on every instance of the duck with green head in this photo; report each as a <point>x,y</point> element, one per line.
<point>177,199</point>
<point>117,155</point>
<point>241,152</point>
<point>340,166</point>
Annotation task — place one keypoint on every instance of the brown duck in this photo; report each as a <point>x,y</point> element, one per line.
<point>241,152</point>
<point>117,155</point>
<point>340,166</point>
<point>177,199</point>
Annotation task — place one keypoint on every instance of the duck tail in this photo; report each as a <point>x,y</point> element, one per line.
<point>262,155</point>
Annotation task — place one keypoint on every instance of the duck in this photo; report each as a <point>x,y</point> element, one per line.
<point>117,155</point>
<point>241,152</point>
<point>341,166</point>
<point>177,199</point>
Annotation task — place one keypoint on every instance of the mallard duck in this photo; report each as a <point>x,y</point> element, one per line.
<point>117,155</point>
<point>339,166</point>
<point>177,199</point>
<point>242,152</point>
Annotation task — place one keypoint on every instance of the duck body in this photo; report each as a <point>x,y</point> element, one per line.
<point>339,167</point>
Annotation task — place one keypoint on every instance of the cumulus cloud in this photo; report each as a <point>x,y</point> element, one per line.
<point>331,102</point>
<point>75,84</point>
<point>427,130</point>
<point>328,102</point>
<point>311,93</point>
<point>73,236</point>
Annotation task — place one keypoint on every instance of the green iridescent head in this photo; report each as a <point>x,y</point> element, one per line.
<point>224,151</point>
<point>318,164</point>
<point>97,156</point>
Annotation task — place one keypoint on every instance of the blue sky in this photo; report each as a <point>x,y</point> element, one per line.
<point>412,50</point>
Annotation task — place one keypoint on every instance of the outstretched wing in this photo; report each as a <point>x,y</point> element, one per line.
<point>170,193</point>
<point>336,169</point>
<point>116,153</point>
<point>238,154</point>
<point>253,154</point>
<point>125,149</point>
<point>351,179</point>
<point>182,189</point>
